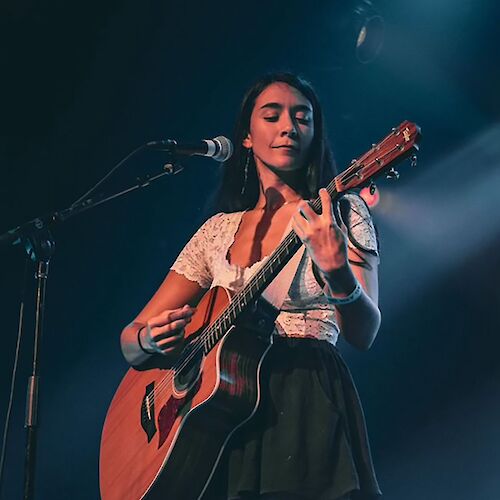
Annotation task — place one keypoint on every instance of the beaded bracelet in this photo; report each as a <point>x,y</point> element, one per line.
<point>353,296</point>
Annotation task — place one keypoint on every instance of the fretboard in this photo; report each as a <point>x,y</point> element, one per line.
<point>259,281</point>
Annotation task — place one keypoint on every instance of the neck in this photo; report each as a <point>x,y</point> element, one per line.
<point>278,188</point>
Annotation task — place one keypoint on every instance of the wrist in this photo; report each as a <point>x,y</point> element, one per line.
<point>143,343</point>
<point>341,286</point>
<point>340,300</point>
<point>340,281</point>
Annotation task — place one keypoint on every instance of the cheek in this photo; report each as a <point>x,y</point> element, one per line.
<point>308,138</point>
<point>310,133</point>
<point>261,136</point>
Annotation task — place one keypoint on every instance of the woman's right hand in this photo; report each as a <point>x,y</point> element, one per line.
<point>164,334</point>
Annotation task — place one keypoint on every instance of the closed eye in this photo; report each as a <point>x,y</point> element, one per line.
<point>303,119</point>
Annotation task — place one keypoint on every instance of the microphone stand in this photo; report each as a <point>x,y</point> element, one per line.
<point>39,246</point>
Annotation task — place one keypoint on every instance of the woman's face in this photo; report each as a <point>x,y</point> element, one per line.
<point>281,128</point>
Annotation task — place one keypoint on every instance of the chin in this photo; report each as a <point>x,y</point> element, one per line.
<point>288,163</point>
<point>284,164</point>
<point>287,167</point>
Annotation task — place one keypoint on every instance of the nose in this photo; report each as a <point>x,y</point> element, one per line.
<point>289,127</point>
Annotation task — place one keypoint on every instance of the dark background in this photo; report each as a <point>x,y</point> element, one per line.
<point>84,83</point>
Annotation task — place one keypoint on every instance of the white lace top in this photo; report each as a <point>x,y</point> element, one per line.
<point>305,311</point>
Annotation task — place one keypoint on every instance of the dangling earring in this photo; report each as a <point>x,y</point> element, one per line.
<point>245,177</point>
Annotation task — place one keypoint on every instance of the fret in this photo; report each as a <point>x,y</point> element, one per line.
<point>238,308</point>
<point>206,346</point>
<point>213,337</point>
<point>226,322</point>
<point>233,312</point>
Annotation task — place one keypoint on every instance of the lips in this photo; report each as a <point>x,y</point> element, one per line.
<point>290,147</point>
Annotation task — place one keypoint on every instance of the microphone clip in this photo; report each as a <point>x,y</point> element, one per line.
<point>168,145</point>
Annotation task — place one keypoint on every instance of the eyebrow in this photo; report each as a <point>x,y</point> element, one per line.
<point>276,105</point>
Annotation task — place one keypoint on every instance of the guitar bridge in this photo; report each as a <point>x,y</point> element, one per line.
<point>148,412</point>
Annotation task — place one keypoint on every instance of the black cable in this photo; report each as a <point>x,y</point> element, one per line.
<point>21,317</point>
<point>14,374</point>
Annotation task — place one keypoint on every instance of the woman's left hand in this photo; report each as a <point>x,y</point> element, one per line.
<point>326,243</point>
<point>323,238</point>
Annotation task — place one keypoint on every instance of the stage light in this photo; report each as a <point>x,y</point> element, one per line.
<point>369,30</point>
<point>359,32</point>
<point>371,196</point>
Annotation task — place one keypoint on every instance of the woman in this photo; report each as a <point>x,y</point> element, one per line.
<point>308,438</point>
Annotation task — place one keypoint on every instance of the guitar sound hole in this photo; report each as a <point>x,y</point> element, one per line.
<point>186,377</point>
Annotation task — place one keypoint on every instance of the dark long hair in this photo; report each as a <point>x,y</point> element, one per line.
<point>320,169</point>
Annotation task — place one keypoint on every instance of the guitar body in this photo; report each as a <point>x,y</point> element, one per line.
<point>165,429</point>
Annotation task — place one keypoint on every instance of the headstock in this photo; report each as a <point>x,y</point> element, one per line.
<point>381,158</point>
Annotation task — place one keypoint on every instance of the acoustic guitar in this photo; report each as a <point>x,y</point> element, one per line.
<point>166,427</point>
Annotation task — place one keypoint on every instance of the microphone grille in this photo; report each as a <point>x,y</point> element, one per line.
<point>225,148</point>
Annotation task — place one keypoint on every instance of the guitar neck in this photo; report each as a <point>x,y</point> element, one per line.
<point>399,144</point>
<point>261,279</point>
<point>276,261</point>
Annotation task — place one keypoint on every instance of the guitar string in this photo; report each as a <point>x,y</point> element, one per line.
<point>208,333</point>
<point>291,238</point>
<point>232,308</point>
<point>211,332</point>
<point>242,296</point>
<point>158,390</point>
<point>212,329</point>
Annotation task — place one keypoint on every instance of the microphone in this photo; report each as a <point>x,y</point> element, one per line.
<point>220,148</point>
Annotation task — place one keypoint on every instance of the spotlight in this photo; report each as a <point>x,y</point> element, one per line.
<point>361,32</point>
<point>371,196</point>
<point>369,26</point>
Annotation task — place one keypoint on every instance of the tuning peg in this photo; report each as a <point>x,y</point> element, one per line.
<point>172,168</point>
<point>413,160</point>
<point>372,188</point>
<point>392,174</point>
<point>169,168</point>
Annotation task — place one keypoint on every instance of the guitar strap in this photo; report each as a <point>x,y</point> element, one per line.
<point>276,292</point>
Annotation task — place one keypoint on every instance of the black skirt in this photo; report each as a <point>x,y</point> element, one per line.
<point>308,437</point>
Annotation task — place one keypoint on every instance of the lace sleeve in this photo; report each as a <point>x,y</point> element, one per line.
<point>360,228</point>
<point>194,261</point>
